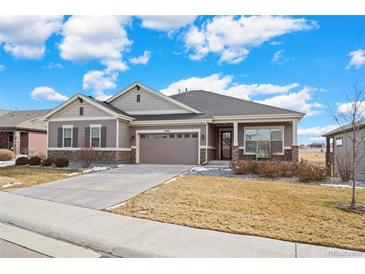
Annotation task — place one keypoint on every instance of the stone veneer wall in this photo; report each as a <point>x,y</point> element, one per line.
<point>100,155</point>
<point>289,155</point>
<point>211,155</point>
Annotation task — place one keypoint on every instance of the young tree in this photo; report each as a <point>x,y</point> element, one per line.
<point>349,119</point>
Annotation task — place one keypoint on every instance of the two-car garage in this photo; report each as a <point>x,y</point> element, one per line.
<point>168,148</point>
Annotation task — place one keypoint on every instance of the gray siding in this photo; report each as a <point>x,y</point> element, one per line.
<point>212,135</point>
<point>346,149</point>
<point>201,127</point>
<point>72,111</point>
<point>148,102</point>
<point>124,134</point>
<point>81,125</point>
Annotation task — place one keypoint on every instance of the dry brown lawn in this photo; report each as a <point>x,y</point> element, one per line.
<point>25,176</point>
<point>314,156</point>
<point>294,212</point>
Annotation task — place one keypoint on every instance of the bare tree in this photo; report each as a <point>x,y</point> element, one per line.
<point>350,121</point>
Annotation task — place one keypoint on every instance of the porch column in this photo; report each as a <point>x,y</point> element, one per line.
<point>235,147</point>
<point>294,147</point>
<point>295,132</point>
<point>16,142</point>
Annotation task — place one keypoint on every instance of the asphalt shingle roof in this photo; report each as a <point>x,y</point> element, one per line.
<point>216,104</point>
<point>24,119</point>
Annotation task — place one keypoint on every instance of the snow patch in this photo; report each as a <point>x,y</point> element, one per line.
<point>96,169</point>
<point>7,163</point>
<point>200,169</point>
<point>169,181</point>
<point>72,174</point>
<point>342,186</point>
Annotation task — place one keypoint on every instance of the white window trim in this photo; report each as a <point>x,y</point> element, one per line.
<point>264,127</point>
<point>339,138</point>
<point>98,127</point>
<point>63,134</point>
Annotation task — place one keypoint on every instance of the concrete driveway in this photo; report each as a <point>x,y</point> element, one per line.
<point>104,189</point>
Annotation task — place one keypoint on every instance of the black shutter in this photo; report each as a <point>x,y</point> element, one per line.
<point>75,137</point>
<point>59,136</point>
<point>103,137</point>
<point>87,137</point>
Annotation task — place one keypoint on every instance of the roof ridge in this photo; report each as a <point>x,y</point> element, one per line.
<point>235,98</point>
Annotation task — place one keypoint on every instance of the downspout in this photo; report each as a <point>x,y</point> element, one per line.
<point>206,143</point>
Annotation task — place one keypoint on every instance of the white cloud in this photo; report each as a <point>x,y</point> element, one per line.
<point>224,85</point>
<point>143,59</point>
<point>96,38</point>
<point>315,133</point>
<point>166,23</point>
<point>346,108</point>
<point>298,101</point>
<point>2,67</point>
<point>52,65</point>
<point>98,81</point>
<point>232,37</point>
<point>25,36</point>
<point>48,94</point>
<point>279,58</point>
<point>357,59</point>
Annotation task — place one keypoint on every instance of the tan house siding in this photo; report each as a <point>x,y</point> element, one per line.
<point>149,102</point>
<point>124,135</point>
<point>109,124</point>
<point>73,111</point>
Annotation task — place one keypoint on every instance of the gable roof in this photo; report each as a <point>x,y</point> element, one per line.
<point>24,119</point>
<point>346,128</point>
<point>104,106</point>
<point>214,104</point>
<point>154,93</point>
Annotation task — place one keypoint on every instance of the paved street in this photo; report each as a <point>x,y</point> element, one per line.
<point>11,250</point>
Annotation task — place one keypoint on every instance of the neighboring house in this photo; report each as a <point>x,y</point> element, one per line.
<point>316,145</point>
<point>24,132</point>
<point>141,125</point>
<point>338,144</point>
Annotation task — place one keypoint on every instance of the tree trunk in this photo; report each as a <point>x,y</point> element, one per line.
<point>354,163</point>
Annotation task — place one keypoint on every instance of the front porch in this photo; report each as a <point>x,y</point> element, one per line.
<point>14,140</point>
<point>242,140</point>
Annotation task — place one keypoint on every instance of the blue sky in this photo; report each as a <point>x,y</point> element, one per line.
<point>304,63</point>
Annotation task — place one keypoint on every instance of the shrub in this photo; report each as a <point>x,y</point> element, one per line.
<point>21,161</point>
<point>243,167</point>
<point>307,172</point>
<point>86,156</point>
<point>6,155</point>
<point>35,161</point>
<point>47,162</point>
<point>344,167</point>
<point>274,169</point>
<point>61,162</point>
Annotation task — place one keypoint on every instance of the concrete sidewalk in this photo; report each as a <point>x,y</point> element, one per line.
<point>130,237</point>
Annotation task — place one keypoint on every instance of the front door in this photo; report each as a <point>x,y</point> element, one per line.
<point>226,145</point>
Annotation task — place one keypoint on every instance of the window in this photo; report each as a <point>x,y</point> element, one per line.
<point>95,131</point>
<point>264,139</point>
<point>195,135</point>
<point>186,135</point>
<point>138,98</point>
<point>172,135</point>
<point>67,136</point>
<point>339,141</point>
<point>81,111</point>
<point>179,135</point>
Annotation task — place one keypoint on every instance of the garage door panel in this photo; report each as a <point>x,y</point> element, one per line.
<point>169,149</point>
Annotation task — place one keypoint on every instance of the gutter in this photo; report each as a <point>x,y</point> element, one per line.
<point>206,142</point>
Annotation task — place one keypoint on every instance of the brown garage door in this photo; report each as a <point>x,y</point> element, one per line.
<point>174,148</point>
